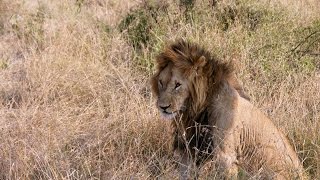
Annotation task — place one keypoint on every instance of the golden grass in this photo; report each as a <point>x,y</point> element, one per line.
<point>75,102</point>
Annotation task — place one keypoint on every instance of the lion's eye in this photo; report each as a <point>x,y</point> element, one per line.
<point>177,86</point>
<point>160,83</point>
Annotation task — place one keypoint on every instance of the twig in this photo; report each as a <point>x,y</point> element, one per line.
<point>305,40</point>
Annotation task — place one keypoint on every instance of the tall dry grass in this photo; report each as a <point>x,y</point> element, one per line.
<point>75,102</point>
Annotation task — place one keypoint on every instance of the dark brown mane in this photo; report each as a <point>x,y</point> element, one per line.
<point>185,56</point>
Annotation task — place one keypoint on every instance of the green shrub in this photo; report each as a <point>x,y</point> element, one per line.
<point>137,24</point>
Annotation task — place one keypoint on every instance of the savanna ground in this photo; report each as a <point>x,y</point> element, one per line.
<point>75,102</point>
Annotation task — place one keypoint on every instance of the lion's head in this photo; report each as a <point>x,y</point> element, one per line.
<point>172,89</point>
<point>182,79</point>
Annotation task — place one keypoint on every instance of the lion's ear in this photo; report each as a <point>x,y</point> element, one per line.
<point>200,63</point>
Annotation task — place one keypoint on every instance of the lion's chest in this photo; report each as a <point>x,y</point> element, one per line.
<point>197,137</point>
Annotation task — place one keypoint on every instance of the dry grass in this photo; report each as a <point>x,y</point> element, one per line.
<point>74,96</point>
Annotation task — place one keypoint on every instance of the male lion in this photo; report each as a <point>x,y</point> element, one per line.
<point>214,119</point>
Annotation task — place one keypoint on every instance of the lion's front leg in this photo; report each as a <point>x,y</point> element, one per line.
<point>183,163</point>
<point>186,166</point>
<point>226,164</point>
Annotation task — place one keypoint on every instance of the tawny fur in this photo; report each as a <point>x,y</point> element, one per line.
<point>213,118</point>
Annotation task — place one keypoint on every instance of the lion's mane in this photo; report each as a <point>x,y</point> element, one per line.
<point>184,56</point>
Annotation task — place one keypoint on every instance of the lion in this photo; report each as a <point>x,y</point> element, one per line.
<point>213,118</point>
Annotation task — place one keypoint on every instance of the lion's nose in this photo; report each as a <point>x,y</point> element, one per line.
<point>165,107</point>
